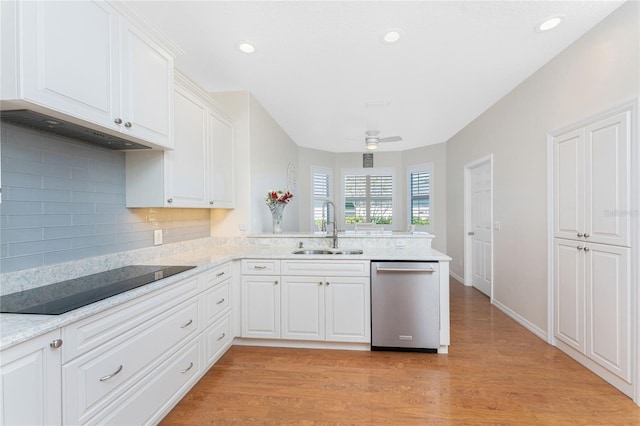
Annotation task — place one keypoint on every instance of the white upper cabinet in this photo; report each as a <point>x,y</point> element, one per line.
<point>86,63</point>
<point>198,172</point>
<point>591,182</point>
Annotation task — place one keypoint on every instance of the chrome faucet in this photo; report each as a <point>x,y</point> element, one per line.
<point>334,235</point>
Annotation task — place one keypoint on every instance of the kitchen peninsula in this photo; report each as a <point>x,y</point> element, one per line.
<point>170,332</point>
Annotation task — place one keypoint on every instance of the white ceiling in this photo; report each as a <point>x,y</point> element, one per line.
<point>318,63</point>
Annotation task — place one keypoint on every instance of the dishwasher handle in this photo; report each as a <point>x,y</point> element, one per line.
<point>382,269</point>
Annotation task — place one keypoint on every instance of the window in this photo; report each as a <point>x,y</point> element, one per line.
<point>321,190</point>
<point>368,197</point>
<point>420,199</point>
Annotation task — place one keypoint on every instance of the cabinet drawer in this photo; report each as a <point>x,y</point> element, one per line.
<point>334,268</point>
<point>91,381</point>
<point>216,301</point>
<point>261,267</point>
<point>216,339</point>
<point>88,334</point>
<point>218,275</point>
<point>156,393</point>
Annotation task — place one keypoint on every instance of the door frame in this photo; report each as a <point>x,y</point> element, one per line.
<point>468,249</point>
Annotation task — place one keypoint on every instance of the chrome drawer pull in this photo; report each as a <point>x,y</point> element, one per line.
<point>219,274</point>
<point>405,270</point>
<point>222,337</point>
<point>187,324</point>
<point>188,368</point>
<point>55,344</point>
<point>107,377</point>
<point>259,267</point>
<point>220,301</point>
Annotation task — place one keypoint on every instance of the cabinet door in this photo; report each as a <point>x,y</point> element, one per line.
<point>30,383</point>
<point>303,315</point>
<point>221,192</point>
<point>569,187</point>
<point>569,321</point>
<point>607,179</point>
<point>608,308</point>
<point>348,309</point>
<point>185,166</point>
<point>70,60</point>
<point>261,306</point>
<point>147,91</point>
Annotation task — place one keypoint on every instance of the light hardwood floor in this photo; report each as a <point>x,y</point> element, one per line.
<point>496,373</point>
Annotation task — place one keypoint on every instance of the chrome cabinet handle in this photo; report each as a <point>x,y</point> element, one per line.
<point>108,376</point>
<point>188,368</point>
<point>221,337</point>
<point>586,235</point>
<point>220,301</point>
<point>170,200</point>
<point>471,233</point>
<point>55,344</point>
<point>587,249</point>
<point>579,247</point>
<point>580,234</point>
<point>259,267</point>
<point>276,282</point>
<point>219,274</point>
<point>327,283</point>
<point>320,283</point>
<point>379,269</point>
<point>127,125</point>
<point>118,120</point>
<point>210,203</point>
<point>187,324</point>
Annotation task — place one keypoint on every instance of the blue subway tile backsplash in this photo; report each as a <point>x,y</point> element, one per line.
<point>64,201</point>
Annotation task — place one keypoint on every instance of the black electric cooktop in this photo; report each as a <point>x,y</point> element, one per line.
<point>65,296</point>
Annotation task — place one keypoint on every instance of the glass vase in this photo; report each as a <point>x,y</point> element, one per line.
<point>276,213</point>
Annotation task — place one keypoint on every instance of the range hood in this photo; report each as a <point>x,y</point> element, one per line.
<point>45,123</point>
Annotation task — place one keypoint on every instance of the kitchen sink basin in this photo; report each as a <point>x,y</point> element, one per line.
<point>325,251</point>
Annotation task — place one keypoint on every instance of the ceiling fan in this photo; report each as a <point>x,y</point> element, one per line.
<point>372,139</point>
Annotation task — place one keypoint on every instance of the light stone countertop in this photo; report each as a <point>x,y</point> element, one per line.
<point>17,328</point>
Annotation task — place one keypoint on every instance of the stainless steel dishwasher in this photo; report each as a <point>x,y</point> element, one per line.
<point>405,306</point>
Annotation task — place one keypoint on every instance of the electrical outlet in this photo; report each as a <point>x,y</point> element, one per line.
<point>400,243</point>
<point>157,237</point>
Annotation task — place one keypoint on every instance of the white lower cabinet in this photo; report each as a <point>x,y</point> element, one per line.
<point>326,308</point>
<point>592,307</point>
<point>330,302</point>
<point>128,365</point>
<point>30,382</point>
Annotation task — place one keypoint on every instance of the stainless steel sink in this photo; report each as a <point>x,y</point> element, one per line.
<point>325,251</point>
<point>312,251</point>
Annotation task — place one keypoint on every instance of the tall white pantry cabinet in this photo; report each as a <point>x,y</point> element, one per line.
<point>592,246</point>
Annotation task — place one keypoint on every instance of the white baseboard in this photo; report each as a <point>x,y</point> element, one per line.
<point>522,321</point>
<point>456,276</point>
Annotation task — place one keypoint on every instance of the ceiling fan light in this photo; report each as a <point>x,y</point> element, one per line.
<point>372,145</point>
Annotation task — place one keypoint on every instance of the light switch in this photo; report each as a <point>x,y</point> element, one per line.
<point>157,237</point>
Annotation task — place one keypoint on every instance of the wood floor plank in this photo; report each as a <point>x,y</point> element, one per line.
<point>496,373</point>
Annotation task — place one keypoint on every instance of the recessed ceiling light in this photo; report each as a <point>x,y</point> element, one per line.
<point>391,36</point>
<point>549,23</point>
<point>246,47</point>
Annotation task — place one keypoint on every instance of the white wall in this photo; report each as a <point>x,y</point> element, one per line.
<point>262,153</point>
<point>598,71</point>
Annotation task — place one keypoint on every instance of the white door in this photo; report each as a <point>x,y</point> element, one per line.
<point>480,197</point>
<point>348,309</point>
<point>569,292</point>
<point>261,306</point>
<point>569,189</point>
<point>70,59</point>
<point>186,164</point>
<point>302,303</point>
